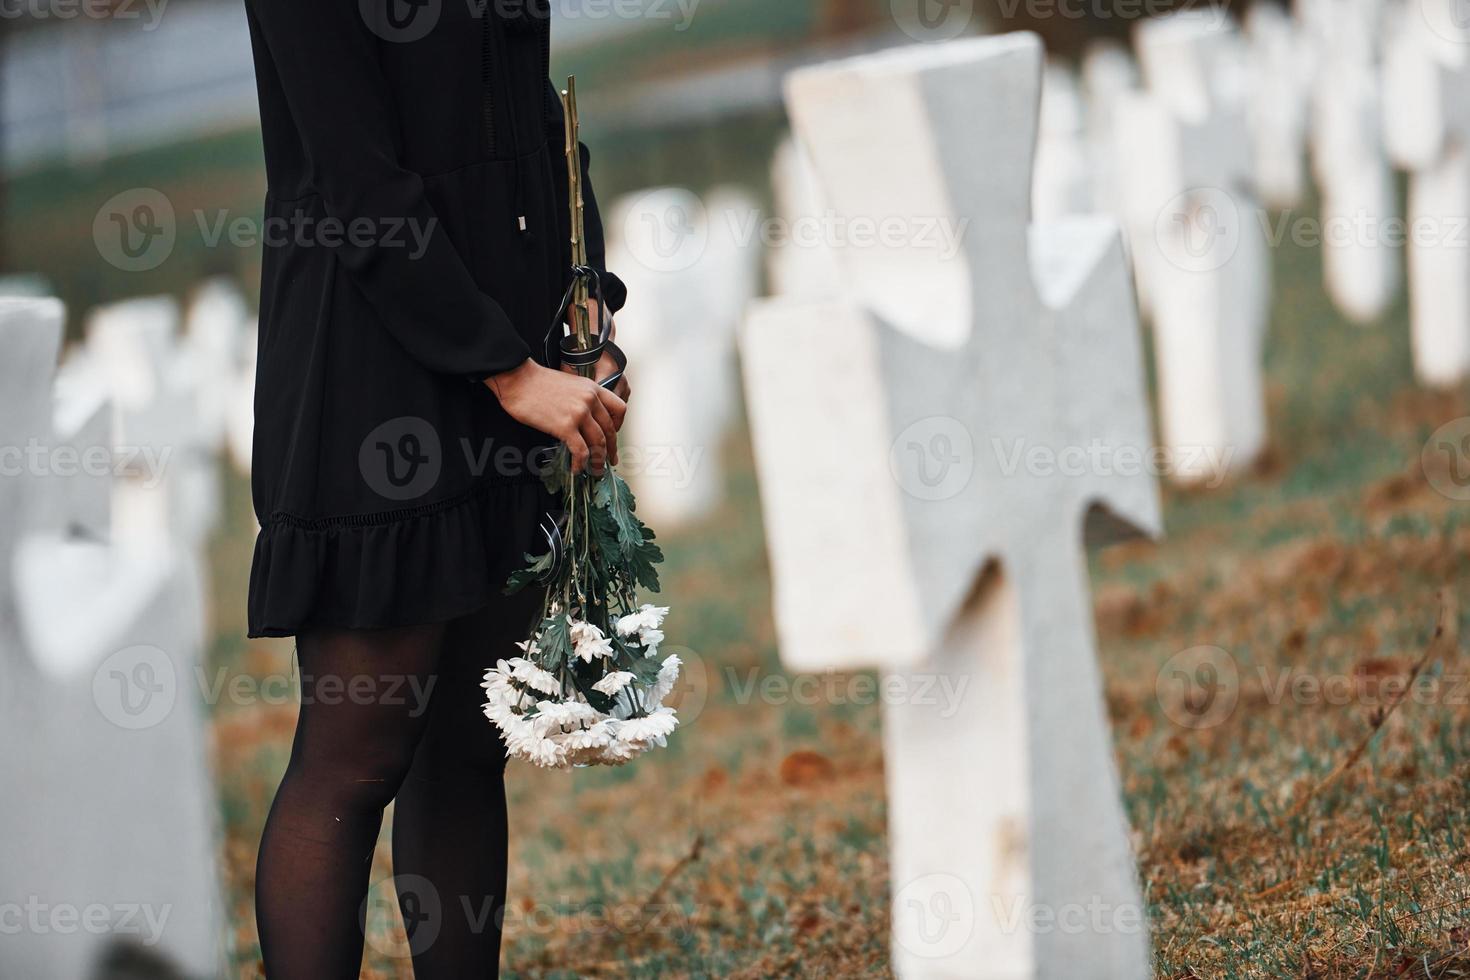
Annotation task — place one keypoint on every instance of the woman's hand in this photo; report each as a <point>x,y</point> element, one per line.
<point>606,367</point>
<point>571,408</point>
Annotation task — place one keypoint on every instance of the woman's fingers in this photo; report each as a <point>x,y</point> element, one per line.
<point>596,441</point>
<point>580,413</point>
<point>604,420</point>
<point>577,447</point>
<point>616,407</point>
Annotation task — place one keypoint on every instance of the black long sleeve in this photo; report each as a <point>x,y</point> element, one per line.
<point>326,64</point>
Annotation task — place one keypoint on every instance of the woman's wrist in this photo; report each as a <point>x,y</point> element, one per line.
<point>500,384</point>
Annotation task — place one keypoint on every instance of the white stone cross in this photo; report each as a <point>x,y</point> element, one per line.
<point>240,414</point>
<point>691,267</point>
<point>1108,75</point>
<point>1277,112</point>
<point>133,350</point>
<point>1427,94</point>
<point>1360,261</point>
<point>800,263</point>
<point>1060,184</point>
<point>1198,243</point>
<point>929,451</point>
<point>110,821</point>
<point>211,351</point>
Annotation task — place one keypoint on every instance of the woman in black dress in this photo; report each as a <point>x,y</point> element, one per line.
<point>417,252</point>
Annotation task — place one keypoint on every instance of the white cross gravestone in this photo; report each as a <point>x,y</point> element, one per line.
<point>691,267</point>
<point>240,415</point>
<point>133,350</point>
<point>1199,242</point>
<point>927,468</point>
<point>1108,74</point>
<point>1060,184</point>
<point>801,263</point>
<point>210,351</point>
<point>1360,259</point>
<point>108,836</point>
<point>1427,91</point>
<point>1278,104</point>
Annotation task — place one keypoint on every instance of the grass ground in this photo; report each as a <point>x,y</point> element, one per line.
<point>754,845</point>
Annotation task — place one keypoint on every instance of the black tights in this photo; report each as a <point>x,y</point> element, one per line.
<point>391,714</point>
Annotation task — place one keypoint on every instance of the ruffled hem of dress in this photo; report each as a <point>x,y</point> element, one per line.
<point>415,567</point>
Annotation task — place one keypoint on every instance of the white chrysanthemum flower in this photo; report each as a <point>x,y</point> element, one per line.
<point>515,728</point>
<point>620,752</point>
<point>649,617</point>
<point>586,739</point>
<point>614,682</point>
<point>659,724</point>
<point>501,697</point>
<point>534,677</point>
<point>650,639</point>
<point>552,716</point>
<point>589,642</point>
<point>668,676</point>
<point>540,751</point>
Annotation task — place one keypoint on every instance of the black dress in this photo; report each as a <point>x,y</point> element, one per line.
<point>416,243</point>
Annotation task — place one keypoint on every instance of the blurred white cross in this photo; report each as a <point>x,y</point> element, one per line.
<point>929,452</point>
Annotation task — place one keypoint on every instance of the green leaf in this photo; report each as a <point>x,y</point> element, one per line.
<point>532,573</point>
<point>641,565</point>
<point>555,645</point>
<point>557,476</point>
<point>614,495</point>
<point>646,669</point>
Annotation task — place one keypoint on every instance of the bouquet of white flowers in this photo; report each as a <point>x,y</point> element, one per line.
<point>590,687</point>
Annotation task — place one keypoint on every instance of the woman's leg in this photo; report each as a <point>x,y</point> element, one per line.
<point>449,824</point>
<point>362,716</point>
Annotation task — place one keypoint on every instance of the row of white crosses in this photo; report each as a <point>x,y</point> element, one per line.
<point>914,528</point>
<point>691,265</point>
<point>101,636</point>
